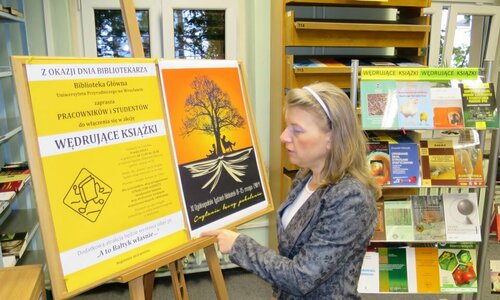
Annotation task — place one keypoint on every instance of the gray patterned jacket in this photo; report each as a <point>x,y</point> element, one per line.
<point>322,248</point>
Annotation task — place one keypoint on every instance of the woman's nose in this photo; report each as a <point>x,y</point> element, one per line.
<point>285,137</point>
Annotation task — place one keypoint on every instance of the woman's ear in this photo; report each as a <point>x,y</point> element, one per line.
<point>329,141</point>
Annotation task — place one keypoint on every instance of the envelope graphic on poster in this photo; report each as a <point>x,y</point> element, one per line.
<point>87,195</point>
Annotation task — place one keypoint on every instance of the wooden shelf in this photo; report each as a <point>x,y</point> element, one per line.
<point>363,3</point>
<point>355,34</point>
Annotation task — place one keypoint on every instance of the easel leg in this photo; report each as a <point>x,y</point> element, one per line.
<point>178,281</point>
<point>216,273</point>
<point>136,289</point>
<point>149,283</point>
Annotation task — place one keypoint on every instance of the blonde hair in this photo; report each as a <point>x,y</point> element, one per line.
<point>348,142</point>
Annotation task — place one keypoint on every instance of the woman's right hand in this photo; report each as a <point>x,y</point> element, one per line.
<point>225,238</point>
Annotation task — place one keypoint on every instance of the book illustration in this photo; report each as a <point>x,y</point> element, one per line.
<point>379,162</point>
<point>378,104</point>
<point>461,217</point>
<point>88,195</point>
<point>393,270</point>
<point>398,220</point>
<point>479,104</point>
<point>214,150</point>
<point>428,217</point>
<point>414,105</point>
<point>437,159</point>
<point>14,243</point>
<point>495,276</point>
<point>379,232</point>
<point>447,107</point>
<point>469,159</point>
<point>457,269</point>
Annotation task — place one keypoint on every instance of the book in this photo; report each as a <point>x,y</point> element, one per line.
<point>437,159</point>
<point>495,276</point>
<point>4,204</point>
<point>457,268</point>
<point>414,105</point>
<point>9,261</point>
<point>479,104</point>
<point>379,233</point>
<point>447,107</point>
<point>379,161</point>
<point>403,157</point>
<point>13,11</point>
<point>427,270</point>
<point>7,196</point>
<point>428,218</point>
<point>14,243</point>
<point>393,270</point>
<point>461,217</point>
<point>398,220</point>
<point>369,277</point>
<point>13,177</point>
<point>379,106</point>
<point>330,62</point>
<point>468,158</point>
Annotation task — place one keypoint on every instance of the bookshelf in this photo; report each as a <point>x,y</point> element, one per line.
<point>20,215</point>
<point>399,30</point>
<point>313,29</point>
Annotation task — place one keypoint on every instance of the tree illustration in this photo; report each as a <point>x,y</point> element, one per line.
<point>209,110</point>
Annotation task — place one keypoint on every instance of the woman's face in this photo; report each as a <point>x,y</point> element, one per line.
<point>306,142</point>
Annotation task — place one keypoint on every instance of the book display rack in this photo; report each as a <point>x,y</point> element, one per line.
<point>438,227</point>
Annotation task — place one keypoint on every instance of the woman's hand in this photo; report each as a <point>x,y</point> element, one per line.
<point>225,238</point>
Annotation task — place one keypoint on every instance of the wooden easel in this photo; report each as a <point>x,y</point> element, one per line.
<point>141,280</point>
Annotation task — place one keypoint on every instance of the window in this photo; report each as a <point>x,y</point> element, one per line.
<point>103,29</point>
<point>200,29</point>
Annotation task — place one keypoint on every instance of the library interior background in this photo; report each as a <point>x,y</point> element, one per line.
<point>422,75</point>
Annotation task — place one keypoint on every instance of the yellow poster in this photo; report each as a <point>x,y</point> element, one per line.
<point>107,164</point>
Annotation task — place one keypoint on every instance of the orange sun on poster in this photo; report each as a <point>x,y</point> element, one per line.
<point>206,110</point>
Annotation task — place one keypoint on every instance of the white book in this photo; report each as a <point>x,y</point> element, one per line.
<point>398,220</point>
<point>462,217</point>
<point>9,261</point>
<point>369,281</point>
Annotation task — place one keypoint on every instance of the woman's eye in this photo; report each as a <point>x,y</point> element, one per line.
<point>297,130</point>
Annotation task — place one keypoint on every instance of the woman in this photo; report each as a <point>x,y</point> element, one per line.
<point>328,218</point>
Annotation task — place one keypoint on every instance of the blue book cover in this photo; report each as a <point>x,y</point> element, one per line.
<point>414,105</point>
<point>379,105</point>
<point>405,169</point>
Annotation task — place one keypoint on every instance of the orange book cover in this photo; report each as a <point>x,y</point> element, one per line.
<point>427,270</point>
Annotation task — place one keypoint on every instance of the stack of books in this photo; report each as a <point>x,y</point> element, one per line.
<point>13,176</point>
<point>13,247</point>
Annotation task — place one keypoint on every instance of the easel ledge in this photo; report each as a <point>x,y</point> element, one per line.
<point>140,286</point>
